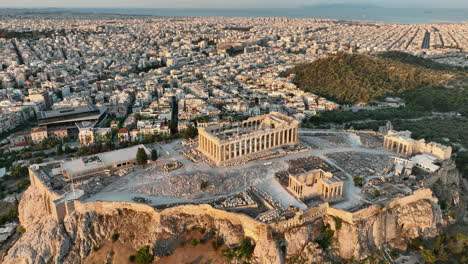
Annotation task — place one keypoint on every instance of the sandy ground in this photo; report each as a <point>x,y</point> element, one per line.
<point>121,253</point>
<point>202,253</point>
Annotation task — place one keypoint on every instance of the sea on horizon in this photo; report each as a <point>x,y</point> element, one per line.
<point>390,15</point>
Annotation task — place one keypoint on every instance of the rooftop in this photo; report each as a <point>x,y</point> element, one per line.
<point>101,159</point>
<point>67,111</point>
<point>38,129</point>
<point>426,160</point>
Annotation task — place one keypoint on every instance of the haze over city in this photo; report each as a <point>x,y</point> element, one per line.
<point>230,4</point>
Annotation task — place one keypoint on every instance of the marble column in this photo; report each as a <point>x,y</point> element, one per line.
<point>214,151</point>
<point>211,149</point>
<point>221,153</point>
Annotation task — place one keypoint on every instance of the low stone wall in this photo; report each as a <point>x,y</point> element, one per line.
<point>252,228</point>
<point>346,216</point>
<point>46,195</point>
<point>366,213</point>
<point>417,195</point>
<point>364,132</point>
<point>308,215</point>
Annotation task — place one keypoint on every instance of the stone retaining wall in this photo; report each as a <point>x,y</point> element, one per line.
<point>252,228</point>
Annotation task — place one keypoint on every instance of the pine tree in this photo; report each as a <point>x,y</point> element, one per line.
<point>141,156</point>
<point>154,155</point>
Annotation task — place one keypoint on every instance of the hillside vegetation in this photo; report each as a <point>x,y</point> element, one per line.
<point>421,62</point>
<point>355,78</point>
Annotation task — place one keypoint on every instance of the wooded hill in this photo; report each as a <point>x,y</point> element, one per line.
<point>421,62</point>
<point>356,78</point>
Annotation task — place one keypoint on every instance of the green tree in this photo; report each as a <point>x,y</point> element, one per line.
<point>203,185</point>
<point>416,243</point>
<point>428,256</point>
<point>194,242</point>
<point>190,132</point>
<point>462,163</point>
<point>143,256</point>
<point>358,181</point>
<point>59,149</point>
<point>326,237</point>
<point>141,156</point>
<point>19,171</point>
<point>154,155</point>
<point>338,222</point>
<point>20,229</point>
<point>22,184</point>
<point>242,252</point>
<point>68,149</point>
<point>115,237</point>
<point>246,248</point>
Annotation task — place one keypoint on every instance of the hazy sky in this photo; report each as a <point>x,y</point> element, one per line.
<point>222,3</point>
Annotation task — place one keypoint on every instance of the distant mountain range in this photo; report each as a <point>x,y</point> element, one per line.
<point>342,5</point>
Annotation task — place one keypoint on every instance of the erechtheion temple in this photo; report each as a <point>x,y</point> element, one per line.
<point>402,143</point>
<point>316,183</point>
<point>256,134</point>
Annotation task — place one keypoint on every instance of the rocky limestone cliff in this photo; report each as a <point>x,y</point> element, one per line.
<point>47,241</point>
<point>446,183</point>
<point>299,243</point>
<point>394,227</point>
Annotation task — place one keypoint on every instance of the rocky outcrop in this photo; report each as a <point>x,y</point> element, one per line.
<point>71,241</point>
<point>446,183</point>
<point>299,243</point>
<point>48,241</point>
<point>392,226</point>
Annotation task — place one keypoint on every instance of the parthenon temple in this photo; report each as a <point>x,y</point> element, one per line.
<point>254,135</point>
<point>316,183</point>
